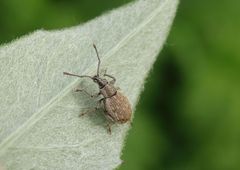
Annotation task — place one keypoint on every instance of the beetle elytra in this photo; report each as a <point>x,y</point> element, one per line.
<point>116,106</point>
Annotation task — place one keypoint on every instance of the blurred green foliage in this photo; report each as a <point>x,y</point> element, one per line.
<point>20,17</point>
<point>189,114</point>
<point>192,94</point>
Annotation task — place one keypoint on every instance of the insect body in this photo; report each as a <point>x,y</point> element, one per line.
<point>116,106</point>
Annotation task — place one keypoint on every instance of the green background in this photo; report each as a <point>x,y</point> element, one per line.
<point>188,116</point>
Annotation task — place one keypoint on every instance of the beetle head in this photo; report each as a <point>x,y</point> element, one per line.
<point>100,81</point>
<point>97,79</point>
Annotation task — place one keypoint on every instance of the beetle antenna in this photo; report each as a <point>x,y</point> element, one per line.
<point>99,61</point>
<point>82,76</point>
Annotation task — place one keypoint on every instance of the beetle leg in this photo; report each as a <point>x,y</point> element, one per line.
<point>88,111</point>
<point>108,117</point>
<point>113,78</point>
<point>101,100</point>
<point>110,76</point>
<point>91,95</point>
<point>91,110</point>
<point>109,122</point>
<point>109,128</point>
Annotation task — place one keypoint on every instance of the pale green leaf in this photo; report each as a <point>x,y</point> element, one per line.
<point>40,127</point>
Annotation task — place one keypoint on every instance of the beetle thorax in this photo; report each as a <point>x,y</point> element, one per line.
<point>108,90</point>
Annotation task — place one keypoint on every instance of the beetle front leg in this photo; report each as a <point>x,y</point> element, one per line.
<point>113,78</point>
<point>91,95</point>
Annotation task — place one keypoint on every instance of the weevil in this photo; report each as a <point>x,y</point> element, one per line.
<point>116,106</point>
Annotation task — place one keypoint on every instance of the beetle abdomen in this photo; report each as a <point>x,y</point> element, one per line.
<point>118,108</point>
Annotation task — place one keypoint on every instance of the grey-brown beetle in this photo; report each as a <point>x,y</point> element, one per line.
<point>116,106</point>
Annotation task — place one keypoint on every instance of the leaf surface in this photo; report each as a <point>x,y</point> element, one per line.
<point>40,127</point>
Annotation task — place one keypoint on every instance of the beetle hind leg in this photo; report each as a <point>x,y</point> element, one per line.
<point>109,129</point>
<point>109,124</point>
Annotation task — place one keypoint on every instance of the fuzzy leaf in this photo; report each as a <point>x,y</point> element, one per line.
<point>40,127</point>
